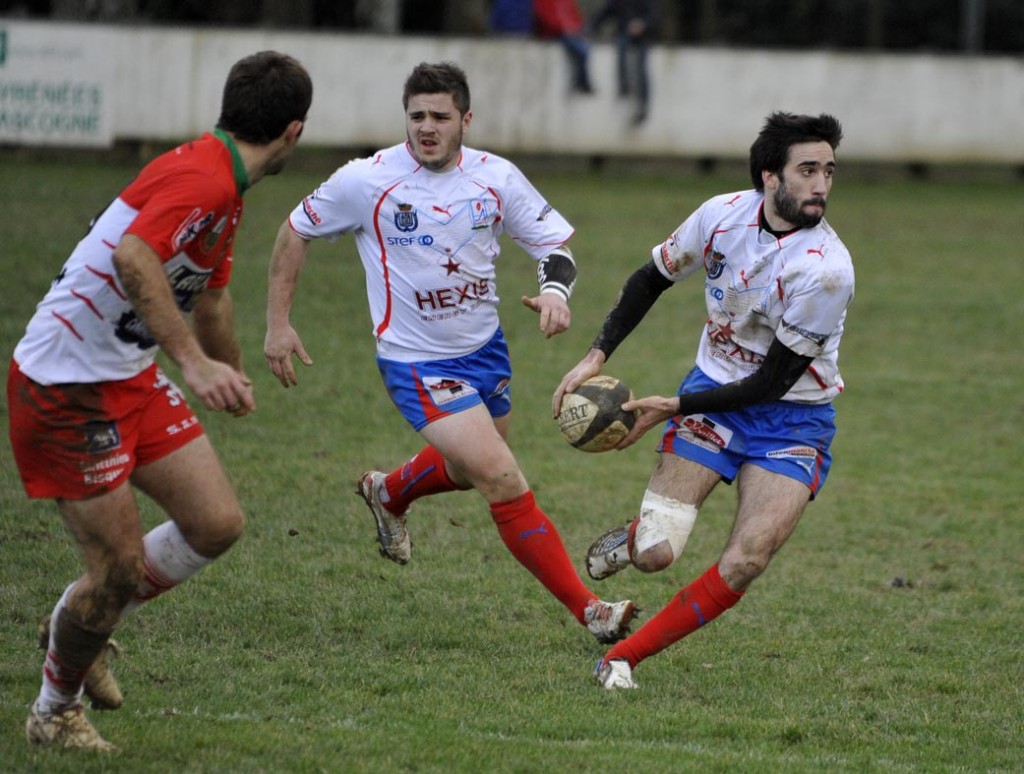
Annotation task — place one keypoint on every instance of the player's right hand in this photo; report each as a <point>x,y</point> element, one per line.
<point>219,386</point>
<point>588,367</point>
<point>278,347</point>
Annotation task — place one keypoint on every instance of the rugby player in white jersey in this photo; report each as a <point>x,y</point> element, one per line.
<point>757,407</point>
<point>427,215</point>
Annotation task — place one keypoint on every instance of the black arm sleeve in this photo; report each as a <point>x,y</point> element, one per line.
<point>780,370</point>
<point>557,271</point>
<point>637,296</point>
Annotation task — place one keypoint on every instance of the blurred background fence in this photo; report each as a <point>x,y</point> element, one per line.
<point>917,83</point>
<point>989,26</point>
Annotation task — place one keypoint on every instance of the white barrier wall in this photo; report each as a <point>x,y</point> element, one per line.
<point>81,85</point>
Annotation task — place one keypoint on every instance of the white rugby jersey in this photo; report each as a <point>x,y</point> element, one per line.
<point>429,241</point>
<point>758,287</point>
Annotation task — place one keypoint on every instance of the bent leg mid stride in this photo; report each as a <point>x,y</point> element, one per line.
<point>532,538</point>
<point>192,488</point>
<point>770,506</point>
<point>675,493</point>
<point>107,531</point>
<point>205,518</point>
<point>475,448</point>
<point>656,538</point>
<point>476,454</point>
<point>696,605</point>
<point>422,475</point>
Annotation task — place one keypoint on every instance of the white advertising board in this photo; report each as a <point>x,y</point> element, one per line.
<point>56,86</point>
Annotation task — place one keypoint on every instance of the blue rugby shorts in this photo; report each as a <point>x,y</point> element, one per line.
<point>791,439</point>
<point>428,390</point>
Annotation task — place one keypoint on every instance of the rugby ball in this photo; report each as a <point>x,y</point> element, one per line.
<point>591,418</point>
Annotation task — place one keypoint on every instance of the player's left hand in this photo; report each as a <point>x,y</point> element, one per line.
<point>278,347</point>
<point>555,316</point>
<point>654,410</point>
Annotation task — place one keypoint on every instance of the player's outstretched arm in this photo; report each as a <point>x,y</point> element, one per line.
<point>282,341</point>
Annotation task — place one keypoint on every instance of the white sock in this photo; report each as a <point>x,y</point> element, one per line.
<point>168,559</point>
<point>54,694</point>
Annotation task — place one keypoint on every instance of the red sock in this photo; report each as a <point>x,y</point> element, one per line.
<point>699,603</point>
<point>423,475</point>
<point>533,540</point>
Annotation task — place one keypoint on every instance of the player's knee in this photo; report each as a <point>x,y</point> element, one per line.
<point>661,532</point>
<point>740,567</point>
<point>498,482</point>
<point>218,534</point>
<point>232,530</point>
<point>654,559</point>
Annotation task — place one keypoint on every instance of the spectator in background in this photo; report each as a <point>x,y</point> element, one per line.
<point>635,23</point>
<point>563,21</point>
<point>512,17</point>
<point>380,16</point>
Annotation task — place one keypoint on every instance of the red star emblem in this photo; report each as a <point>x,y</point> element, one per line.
<point>721,334</point>
<point>451,266</point>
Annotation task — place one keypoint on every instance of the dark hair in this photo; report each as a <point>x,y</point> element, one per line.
<point>264,93</point>
<point>443,78</point>
<point>770,150</point>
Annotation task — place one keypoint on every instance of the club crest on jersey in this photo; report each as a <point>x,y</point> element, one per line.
<point>716,265</point>
<point>406,218</point>
<point>215,232</point>
<point>481,213</point>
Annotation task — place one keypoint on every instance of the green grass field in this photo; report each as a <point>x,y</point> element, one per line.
<point>887,636</point>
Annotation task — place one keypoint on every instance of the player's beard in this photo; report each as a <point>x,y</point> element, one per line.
<point>451,150</point>
<point>791,211</point>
